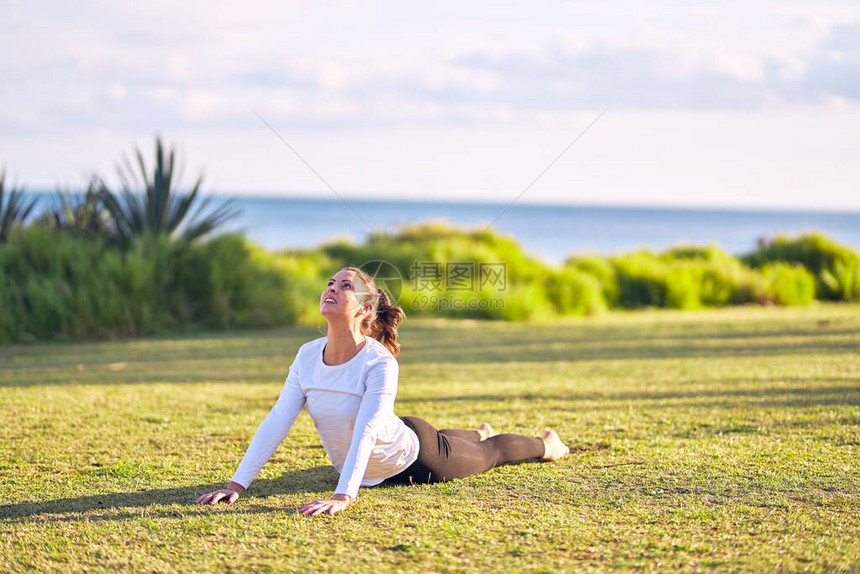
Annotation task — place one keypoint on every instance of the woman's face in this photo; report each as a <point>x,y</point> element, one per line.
<point>344,296</point>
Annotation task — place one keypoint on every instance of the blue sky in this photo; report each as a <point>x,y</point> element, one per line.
<point>747,104</point>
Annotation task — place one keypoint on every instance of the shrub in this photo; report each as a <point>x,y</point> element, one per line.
<point>642,280</point>
<point>14,208</point>
<point>526,301</point>
<point>439,243</point>
<point>54,285</point>
<point>683,285</point>
<point>603,271</point>
<point>787,284</point>
<point>574,292</point>
<point>9,309</point>
<point>684,278</point>
<point>58,284</point>
<point>817,253</point>
<point>842,281</point>
<point>78,214</point>
<point>707,276</point>
<point>228,283</point>
<point>721,282</point>
<point>713,253</point>
<point>47,284</point>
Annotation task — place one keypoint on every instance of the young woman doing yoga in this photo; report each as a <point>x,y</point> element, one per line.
<point>348,382</point>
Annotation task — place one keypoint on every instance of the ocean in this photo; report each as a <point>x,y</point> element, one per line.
<point>550,232</point>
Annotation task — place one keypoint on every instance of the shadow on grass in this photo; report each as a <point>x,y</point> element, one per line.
<point>129,505</point>
<point>263,356</point>
<point>767,397</point>
<point>453,340</point>
<point>850,386</point>
<point>225,373</point>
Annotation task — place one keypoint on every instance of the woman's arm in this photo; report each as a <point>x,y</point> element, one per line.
<point>269,435</point>
<point>376,405</point>
<point>273,430</point>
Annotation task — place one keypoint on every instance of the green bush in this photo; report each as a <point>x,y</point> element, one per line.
<point>842,281</point>
<point>642,280</point>
<point>683,285</point>
<point>830,262</point>
<point>680,278</point>
<point>574,292</point>
<point>55,285</point>
<point>712,253</point>
<point>523,297</point>
<point>228,283</point>
<point>790,285</point>
<point>602,270</point>
<point>60,285</point>
<point>522,302</point>
<point>721,281</point>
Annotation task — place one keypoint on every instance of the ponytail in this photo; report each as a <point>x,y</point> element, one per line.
<point>384,318</point>
<point>384,327</point>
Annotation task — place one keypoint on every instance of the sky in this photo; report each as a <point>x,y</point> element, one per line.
<point>723,104</point>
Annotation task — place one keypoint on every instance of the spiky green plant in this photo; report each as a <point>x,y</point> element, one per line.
<point>844,279</point>
<point>79,214</point>
<point>161,210</point>
<point>15,209</point>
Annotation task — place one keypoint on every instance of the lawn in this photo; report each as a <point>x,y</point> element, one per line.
<point>724,439</point>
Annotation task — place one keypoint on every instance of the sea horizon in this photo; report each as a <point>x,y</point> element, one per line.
<point>550,231</point>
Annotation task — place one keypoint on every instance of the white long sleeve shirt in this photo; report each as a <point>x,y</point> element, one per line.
<point>352,406</point>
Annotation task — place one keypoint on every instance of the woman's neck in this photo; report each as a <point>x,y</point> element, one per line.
<point>342,345</point>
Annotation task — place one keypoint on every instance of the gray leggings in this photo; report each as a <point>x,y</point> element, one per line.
<point>453,453</point>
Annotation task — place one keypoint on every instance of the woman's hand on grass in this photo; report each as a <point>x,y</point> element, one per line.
<point>331,506</point>
<point>229,495</point>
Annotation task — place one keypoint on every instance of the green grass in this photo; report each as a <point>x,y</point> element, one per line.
<point>722,439</point>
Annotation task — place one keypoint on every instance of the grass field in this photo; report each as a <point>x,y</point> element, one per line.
<point>726,439</point>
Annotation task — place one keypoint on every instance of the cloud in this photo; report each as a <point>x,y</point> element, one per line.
<point>562,76</point>
<point>600,75</point>
<point>139,71</point>
<point>834,71</point>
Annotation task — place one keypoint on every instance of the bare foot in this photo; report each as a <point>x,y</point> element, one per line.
<point>554,448</point>
<point>486,431</point>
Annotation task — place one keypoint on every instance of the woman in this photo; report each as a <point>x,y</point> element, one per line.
<point>348,382</point>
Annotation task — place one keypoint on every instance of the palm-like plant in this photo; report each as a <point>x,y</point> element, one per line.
<point>161,210</point>
<point>843,280</point>
<point>15,209</point>
<point>82,215</point>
